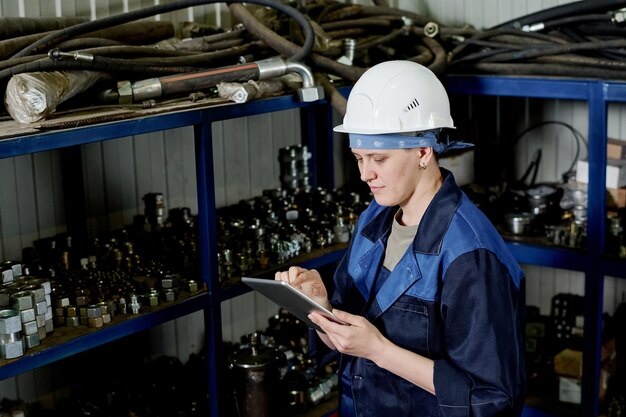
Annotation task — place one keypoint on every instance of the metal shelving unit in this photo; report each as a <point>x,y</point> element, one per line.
<point>209,301</point>
<point>597,93</point>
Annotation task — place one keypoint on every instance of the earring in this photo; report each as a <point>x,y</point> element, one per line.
<point>423,165</point>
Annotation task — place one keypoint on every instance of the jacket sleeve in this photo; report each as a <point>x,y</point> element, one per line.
<point>482,309</point>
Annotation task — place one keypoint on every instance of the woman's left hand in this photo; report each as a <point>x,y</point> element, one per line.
<point>360,338</point>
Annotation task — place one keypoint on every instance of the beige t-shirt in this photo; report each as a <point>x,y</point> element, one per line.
<point>399,240</point>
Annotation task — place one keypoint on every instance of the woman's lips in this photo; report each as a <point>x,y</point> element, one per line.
<point>374,189</point>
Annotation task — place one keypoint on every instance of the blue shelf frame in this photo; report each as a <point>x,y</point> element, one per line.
<point>598,94</point>
<point>201,119</point>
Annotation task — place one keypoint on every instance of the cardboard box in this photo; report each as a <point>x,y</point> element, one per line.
<point>615,149</point>
<point>616,197</point>
<point>570,388</point>
<point>615,173</point>
<point>568,365</point>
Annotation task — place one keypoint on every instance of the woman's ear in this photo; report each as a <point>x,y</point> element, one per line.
<point>426,155</point>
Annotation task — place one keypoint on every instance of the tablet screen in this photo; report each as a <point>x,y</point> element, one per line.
<point>296,302</point>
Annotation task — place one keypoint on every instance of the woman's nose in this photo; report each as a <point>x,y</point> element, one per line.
<point>367,174</point>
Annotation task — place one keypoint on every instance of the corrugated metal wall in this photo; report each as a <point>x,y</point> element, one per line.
<point>118,173</point>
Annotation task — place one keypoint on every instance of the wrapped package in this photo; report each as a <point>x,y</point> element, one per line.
<point>30,97</point>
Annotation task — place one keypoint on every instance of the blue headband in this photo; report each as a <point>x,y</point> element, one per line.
<point>396,141</point>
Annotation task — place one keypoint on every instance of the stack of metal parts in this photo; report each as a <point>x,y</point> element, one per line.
<point>25,310</point>
<point>143,265</point>
<point>294,167</point>
<point>266,231</point>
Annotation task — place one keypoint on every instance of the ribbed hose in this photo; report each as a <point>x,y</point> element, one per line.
<point>54,38</point>
<point>569,9</point>
<point>283,46</point>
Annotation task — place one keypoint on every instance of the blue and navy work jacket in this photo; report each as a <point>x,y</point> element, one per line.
<point>456,297</point>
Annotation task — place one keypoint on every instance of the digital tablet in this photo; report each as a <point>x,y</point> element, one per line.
<point>295,301</point>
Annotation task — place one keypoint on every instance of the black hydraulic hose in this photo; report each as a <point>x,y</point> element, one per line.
<point>285,47</point>
<point>504,31</point>
<point>583,60</point>
<point>79,29</point>
<point>547,69</point>
<point>570,20</point>
<point>98,64</point>
<point>12,27</point>
<point>199,81</point>
<point>544,50</point>
<point>417,19</point>
<point>380,21</point>
<point>564,10</point>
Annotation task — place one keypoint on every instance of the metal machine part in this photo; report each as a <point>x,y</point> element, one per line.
<point>138,91</point>
<point>256,373</point>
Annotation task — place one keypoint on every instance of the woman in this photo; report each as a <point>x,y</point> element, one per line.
<point>433,298</point>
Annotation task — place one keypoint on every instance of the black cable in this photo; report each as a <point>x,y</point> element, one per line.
<point>52,39</point>
<point>578,138</point>
<point>564,10</point>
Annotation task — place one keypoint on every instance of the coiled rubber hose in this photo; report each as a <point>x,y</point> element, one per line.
<point>565,10</point>
<point>58,36</point>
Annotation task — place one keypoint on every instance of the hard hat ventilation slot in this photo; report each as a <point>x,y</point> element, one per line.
<point>412,105</point>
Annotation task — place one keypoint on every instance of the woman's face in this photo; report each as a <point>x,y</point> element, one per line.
<point>391,174</point>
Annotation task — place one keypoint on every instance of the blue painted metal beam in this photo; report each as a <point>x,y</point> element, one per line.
<point>102,336</point>
<point>553,88</point>
<point>553,257</point>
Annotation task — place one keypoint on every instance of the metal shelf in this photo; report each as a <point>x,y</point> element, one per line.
<point>68,341</point>
<point>592,262</point>
<point>28,139</point>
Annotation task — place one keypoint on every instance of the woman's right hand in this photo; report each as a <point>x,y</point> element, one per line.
<point>308,281</point>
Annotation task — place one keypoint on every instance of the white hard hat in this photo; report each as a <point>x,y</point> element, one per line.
<point>396,97</point>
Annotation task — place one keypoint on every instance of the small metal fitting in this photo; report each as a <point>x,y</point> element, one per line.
<point>32,340</point>
<point>121,303</point>
<point>152,298</point>
<point>41,332</point>
<point>22,300</point>
<point>5,297</point>
<point>10,321</point>
<point>27,315</point>
<point>169,281</point>
<point>134,304</point>
<point>73,321</point>
<point>431,29</point>
<point>169,295</point>
<point>40,319</point>
<point>57,55</point>
<point>41,307</point>
<point>49,326</point>
<point>43,283</point>
<point>619,16</point>
<point>192,286</point>
<point>29,327</point>
<point>72,311</point>
<point>82,300</point>
<point>93,311</point>
<point>37,291</point>
<point>106,318</point>
<point>13,349</point>
<point>95,322</point>
<point>62,302</point>
<point>7,275</point>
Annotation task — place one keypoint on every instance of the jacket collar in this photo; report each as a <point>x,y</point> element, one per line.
<point>434,223</point>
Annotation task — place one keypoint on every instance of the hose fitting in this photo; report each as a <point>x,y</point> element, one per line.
<point>276,67</point>
<point>57,55</point>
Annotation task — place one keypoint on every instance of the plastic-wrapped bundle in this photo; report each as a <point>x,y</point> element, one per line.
<point>30,97</point>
